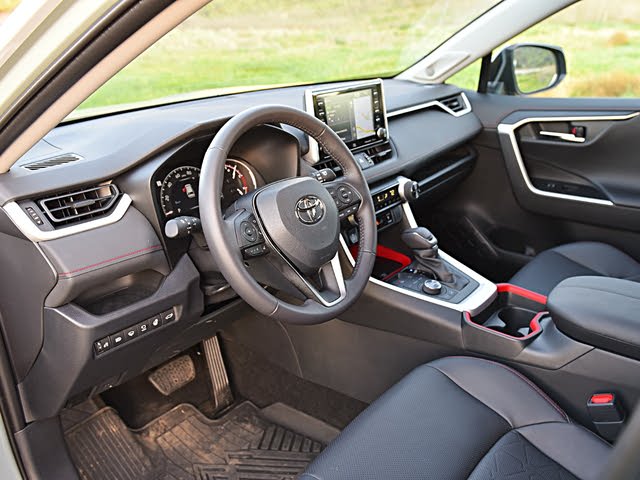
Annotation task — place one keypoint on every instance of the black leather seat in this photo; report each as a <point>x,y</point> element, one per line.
<point>459,418</point>
<point>552,266</point>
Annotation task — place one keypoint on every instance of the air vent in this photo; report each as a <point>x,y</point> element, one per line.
<point>455,103</point>
<point>53,161</point>
<point>80,205</point>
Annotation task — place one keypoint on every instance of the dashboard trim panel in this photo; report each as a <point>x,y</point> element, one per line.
<point>434,103</point>
<point>21,220</point>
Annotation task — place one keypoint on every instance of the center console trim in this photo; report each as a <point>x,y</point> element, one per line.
<point>477,301</point>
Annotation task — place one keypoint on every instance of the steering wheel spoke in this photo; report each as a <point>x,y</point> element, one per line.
<point>346,197</point>
<point>327,287</point>
<point>245,228</point>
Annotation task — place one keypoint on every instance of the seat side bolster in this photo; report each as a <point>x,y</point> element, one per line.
<point>507,392</point>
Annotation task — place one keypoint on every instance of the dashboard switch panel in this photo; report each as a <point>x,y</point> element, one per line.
<point>131,333</point>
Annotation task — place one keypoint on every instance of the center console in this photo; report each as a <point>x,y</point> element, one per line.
<point>409,259</point>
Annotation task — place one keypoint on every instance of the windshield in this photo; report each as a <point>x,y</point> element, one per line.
<point>237,45</point>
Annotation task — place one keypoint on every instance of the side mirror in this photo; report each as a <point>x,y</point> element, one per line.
<point>524,69</point>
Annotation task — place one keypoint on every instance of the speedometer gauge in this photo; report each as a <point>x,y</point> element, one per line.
<point>238,180</point>
<point>179,192</point>
<point>179,189</point>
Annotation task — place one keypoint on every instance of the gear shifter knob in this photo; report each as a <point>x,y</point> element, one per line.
<point>421,238</point>
<point>424,246</point>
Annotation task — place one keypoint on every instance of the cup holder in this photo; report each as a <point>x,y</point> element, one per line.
<point>508,325</point>
<point>513,321</point>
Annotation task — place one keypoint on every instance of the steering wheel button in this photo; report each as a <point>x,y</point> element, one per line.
<point>345,194</point>
<point>249,231</point>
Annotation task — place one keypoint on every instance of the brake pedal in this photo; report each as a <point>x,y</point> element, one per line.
<point>173,375</point>
<point>222,396</point>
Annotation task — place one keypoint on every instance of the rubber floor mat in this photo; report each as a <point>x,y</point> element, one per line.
<point>184,444</point>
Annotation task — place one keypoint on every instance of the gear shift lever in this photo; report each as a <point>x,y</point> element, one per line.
<point>424,246</point>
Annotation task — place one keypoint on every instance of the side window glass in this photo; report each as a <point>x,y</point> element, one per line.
<point>597,40</point>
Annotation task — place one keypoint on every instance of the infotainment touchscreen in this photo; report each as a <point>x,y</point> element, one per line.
<point>356,113</point>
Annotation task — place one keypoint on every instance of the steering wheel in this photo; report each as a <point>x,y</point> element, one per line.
<point>286,235</point>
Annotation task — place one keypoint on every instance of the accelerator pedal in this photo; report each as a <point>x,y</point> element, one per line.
<point>173,375</point>
<point>222,396</point>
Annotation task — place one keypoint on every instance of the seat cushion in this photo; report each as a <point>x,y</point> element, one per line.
<point>458,418</point>
<point>552,266</point>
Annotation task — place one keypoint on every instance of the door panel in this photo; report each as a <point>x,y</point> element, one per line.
<point>521,197</point>
<point>600,163</point>
<point>596,180</point>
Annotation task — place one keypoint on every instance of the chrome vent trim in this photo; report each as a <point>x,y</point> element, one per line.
<point>454,103</point>
<point>52,162</point>
<point>80,205</point>
<point>21,220</point>
<point>462,106</point>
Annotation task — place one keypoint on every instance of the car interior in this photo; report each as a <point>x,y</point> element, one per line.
<point>364,279</point>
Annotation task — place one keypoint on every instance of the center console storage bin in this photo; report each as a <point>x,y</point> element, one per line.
<point>508,325</point>
<point>599,311</point>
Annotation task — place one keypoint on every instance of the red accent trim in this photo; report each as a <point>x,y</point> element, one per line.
<point>119,257</point>
<point>522,292</point>
<point>534,325</point>
<point>602,398</point>
<point>388,254</point>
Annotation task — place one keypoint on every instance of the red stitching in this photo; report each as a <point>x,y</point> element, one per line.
<point>119,257</point>
<point>522,377</point>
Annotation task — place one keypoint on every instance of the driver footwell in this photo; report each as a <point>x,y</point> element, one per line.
<point>245,443</point>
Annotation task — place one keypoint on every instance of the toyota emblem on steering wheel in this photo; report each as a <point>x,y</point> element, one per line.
<point>310,209</point>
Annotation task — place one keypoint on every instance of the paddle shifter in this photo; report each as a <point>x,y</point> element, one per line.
<point>424,246</point>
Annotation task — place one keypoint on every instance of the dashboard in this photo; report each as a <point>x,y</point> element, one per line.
<point>85,211</point>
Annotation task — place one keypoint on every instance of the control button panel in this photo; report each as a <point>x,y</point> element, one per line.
<point>250,237</point>
<point>346,199</point>
<point>134,331</point>
<point>387,197</point>
<point>34,216</point>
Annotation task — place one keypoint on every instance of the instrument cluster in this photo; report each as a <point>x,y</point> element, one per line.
<point>178,191</point>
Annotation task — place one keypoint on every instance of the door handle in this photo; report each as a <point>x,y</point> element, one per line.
<point>567,137</point>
